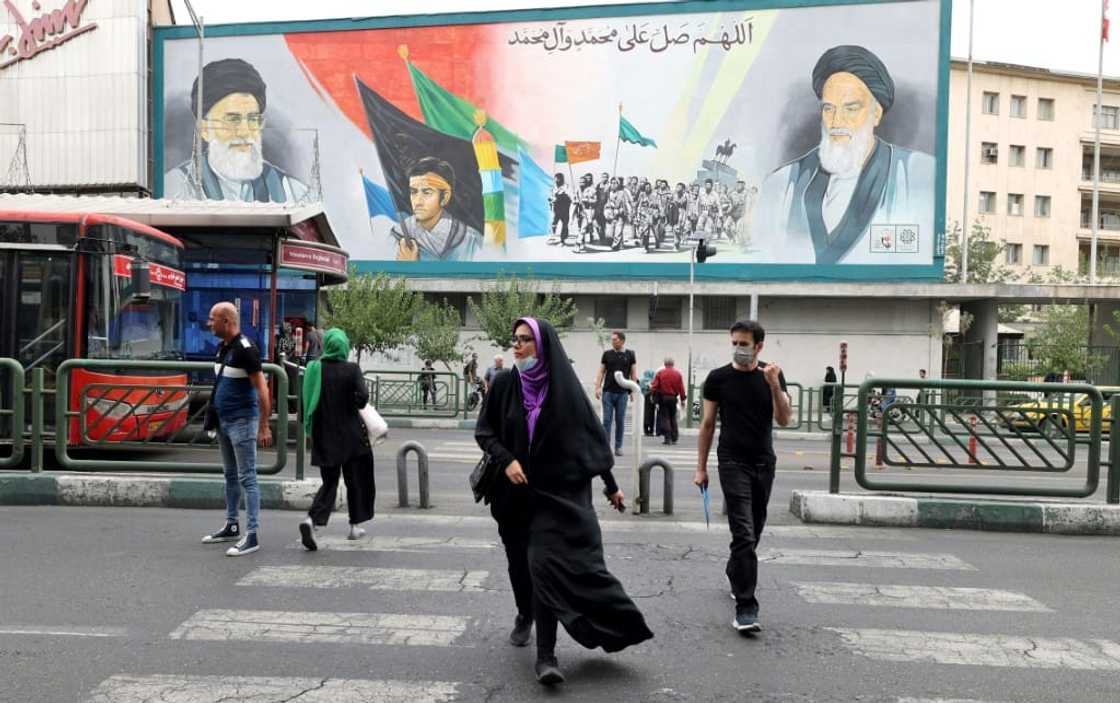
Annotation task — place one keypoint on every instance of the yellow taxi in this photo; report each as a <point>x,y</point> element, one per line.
<point>1051,414</point>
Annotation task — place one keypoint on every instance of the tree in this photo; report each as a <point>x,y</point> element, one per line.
<point>1065,345</point>
<point>511,298</point>
<point>435,334</point>
<point>376,311</point>
<point>983,254</point>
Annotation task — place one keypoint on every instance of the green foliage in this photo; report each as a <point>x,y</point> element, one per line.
<point>509,299</point>
<point>1020,371</point>
<point>983,256</point>
<point>1064,346</point>
<point>435,334</point>
<point>600,330</point>
<point>375,311</point>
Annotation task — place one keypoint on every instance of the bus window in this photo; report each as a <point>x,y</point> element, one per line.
<point>44,306</point>
<point>122,327</point>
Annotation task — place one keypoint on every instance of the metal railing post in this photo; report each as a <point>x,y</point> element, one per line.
<point>37,420</point>
<point>18,380</point>
<point>643,485</point>
<point>1112,490</point>
<point>836,430</point>
<point>402,474</point>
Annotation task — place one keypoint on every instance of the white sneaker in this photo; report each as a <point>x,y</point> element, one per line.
<point>356,532</point>
<point>247,545</point>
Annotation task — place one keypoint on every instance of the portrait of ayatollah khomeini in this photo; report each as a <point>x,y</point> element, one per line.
<point>234,100</point>
<point>854,198</point>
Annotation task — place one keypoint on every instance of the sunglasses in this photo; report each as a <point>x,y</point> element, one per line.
<point>521,339</point>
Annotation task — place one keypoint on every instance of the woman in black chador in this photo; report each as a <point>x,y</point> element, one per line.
<point>538,425</point>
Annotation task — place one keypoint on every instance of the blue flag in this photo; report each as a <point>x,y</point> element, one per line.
<point>534,218</point>
<point>378,200</point>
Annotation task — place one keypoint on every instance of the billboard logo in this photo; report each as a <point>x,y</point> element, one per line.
<point>894,239</point>
<point>42,33</point>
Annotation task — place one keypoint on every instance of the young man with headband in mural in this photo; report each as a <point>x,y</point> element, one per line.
<point>431,233</point>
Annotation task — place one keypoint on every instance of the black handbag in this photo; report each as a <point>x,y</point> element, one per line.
<point>211,422</point>
<point>482,478</point>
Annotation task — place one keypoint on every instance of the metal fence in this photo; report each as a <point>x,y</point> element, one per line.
<point>415,393</point>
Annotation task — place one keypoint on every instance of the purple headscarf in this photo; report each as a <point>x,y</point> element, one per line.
<point>534,382</point>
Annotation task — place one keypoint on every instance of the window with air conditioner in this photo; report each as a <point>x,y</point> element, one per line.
<point>989,152</point>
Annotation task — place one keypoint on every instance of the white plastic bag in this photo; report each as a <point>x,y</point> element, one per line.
<point>376,426</point>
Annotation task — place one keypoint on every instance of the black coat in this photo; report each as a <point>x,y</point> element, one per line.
<point>337,433</point>
<point>569,447</point>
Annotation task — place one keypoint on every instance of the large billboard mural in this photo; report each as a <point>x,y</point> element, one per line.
<point>804,141</point>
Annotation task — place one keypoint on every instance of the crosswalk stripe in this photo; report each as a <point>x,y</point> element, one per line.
<point>879,560</point>
<point>926,597</point>
<point>64,631</point>
<point>322,627</point>
<point>389,543</point>
<point>1010,651</point>
<point>376,579</point>
<point>125,688</point>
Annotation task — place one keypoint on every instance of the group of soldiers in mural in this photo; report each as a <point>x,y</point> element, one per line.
<point>628,212</point>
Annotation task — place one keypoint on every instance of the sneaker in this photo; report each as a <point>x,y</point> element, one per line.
<point>548,671</point>
<point>230,533</point>
<point>618,452</point>
<point>746,621</point>
<point>355,532</point>
<point>307,536</point>
<point>247,545</point>
<point>522,626</point>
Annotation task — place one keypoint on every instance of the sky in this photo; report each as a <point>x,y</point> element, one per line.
<point>1044,33</point>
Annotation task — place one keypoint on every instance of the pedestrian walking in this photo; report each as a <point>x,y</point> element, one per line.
<point>314,343</point>
<point>334,390</point>
<point>498,367</point>
<point>749,396</point>
<point>614,396</point>
<point>538,425</point>
<point>243,408</point>
<point>649,417</point>
<point>427,381</point>
<point>470,370</point>
<point>828,389</point>
<point>668,388</point>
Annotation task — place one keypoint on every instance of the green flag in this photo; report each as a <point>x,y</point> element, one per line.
<point>560,154</point>
<point>448,113</point>
<point>627,133</point>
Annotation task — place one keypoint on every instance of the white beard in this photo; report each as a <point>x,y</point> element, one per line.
<point>234,165</point>
<point>842,159</point>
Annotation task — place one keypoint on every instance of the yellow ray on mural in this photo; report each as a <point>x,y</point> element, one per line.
<point>724,89</point>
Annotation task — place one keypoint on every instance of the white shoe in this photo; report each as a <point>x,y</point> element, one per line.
<point>356,532</point>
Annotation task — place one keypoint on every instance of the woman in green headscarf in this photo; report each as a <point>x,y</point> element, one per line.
<point>333,393</point>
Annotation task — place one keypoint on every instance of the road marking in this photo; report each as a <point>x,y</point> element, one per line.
<point>940,700</point>
<point>983,650</point>
<point>320,627</point>
<point>926,597</point>
<point>878,560</point>
<point>376,579</point>
<point>125,688</point>
<point>388,543</point>
<point>64,631</point>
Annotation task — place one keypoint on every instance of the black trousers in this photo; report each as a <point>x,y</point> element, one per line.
<point>360,490</point>
<point>746,491</point>
<point>561,212</point>
<point>546,624</point>
<point>650,415</point>
<point>514,531</point>
<point>667,417</point>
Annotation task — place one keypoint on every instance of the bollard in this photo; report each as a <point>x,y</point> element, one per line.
<point>879,451</point>
<point>402,474</point>
<point>851,434</point>
<point>643,485</point>
<point>972,440</point>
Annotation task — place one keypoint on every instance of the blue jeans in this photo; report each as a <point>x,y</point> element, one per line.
<point>614,406</point>
<point>238,441</point>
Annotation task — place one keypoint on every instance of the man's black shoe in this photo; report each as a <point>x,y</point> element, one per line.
<point>522,626</point>
<point>230,533</point>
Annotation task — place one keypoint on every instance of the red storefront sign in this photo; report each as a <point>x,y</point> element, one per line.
<point>310,258</point>
<point>158,274</point>
<point>50,29</point>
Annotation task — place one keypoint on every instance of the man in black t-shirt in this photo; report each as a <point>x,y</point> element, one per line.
<point>614,396</point>
<point>748,395</point>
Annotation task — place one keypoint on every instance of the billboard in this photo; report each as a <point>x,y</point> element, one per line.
<point>805,140</point>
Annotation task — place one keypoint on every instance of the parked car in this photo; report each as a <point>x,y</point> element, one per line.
<point>1051,414</point>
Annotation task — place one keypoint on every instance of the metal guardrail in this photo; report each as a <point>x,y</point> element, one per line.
<point>12,411</point>
<point>401,394</point>
<point>402,474</point>
<point>973,425</point>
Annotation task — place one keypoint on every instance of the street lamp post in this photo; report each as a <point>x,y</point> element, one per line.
<point>200,29</point>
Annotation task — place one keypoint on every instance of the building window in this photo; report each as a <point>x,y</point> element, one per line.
<point>1041,255</point>
<point>1046,109</point>
<point>719,311</point>
<point>612,311</point>
<point>1016,155</point>
<point>1110,117</point>
<point>665,312</point>
<point>1015,204</point>
<point>1042,206</point>
<point>1044,157</point>
<point>991,103</point>
<point>1019,106</point>
<point>1013,253</point>
<point>987,201</point>
<point>989,152</point>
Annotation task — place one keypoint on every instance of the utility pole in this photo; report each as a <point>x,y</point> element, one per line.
<point>199,29</point>
<point>1097,152</point>
<point>967,149</point>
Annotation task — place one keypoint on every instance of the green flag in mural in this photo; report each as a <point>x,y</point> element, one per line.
<point>560,154</point>
<point>450,114</point>
<point>627,133</point>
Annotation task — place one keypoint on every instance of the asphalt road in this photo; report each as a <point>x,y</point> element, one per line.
<point>125,605</point>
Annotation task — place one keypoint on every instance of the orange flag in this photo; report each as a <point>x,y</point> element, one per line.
<point>582,151</point>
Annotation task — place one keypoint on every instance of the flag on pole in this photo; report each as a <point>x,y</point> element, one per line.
<point>560,154</point>
<point>628,133</point>
<point>378,199</point>
<point>578,152</point>
<point>534,217</point>
<point>490,172</point>
<point>1104,21</point>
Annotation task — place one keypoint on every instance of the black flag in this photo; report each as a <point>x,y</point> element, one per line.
<point>402,141</point>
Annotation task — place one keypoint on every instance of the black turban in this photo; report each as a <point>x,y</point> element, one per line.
<point>861,63</point>
<point>221,78</point>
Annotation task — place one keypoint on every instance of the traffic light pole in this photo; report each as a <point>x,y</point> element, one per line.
<point>691,287</point>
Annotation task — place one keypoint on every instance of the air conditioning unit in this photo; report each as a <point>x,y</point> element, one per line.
<point>991,152</point>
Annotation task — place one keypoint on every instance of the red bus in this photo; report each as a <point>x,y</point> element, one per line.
<point>87,286</point>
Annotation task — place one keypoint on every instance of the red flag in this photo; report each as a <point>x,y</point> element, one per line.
<point>1104,21</point>
<point>582,151</point>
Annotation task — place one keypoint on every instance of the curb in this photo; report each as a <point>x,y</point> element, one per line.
<point>146,492</point>
<point>956,513</point>
<point>430,423</point>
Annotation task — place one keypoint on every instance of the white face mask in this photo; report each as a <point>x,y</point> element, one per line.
<point>525,364</point>
<point>743,356</point>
